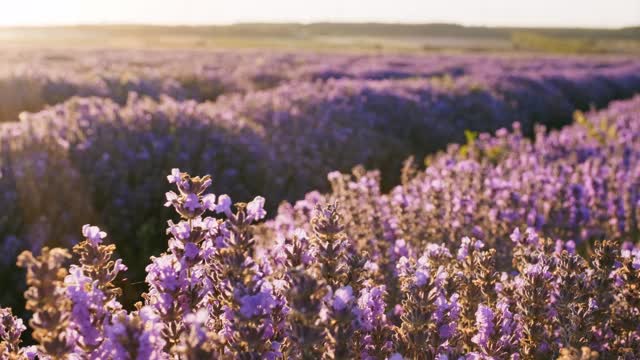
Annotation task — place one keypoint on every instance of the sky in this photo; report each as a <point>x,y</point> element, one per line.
<point>546,13</point>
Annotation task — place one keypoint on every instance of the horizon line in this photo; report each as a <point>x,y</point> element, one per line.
<point>307,23</point>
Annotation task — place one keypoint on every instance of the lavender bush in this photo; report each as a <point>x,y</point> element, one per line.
<point>35,78</point>
<point>579,184</point>
<point>214,293</point>
<point>108,155</point>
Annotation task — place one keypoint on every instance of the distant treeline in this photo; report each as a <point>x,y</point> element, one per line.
<point>318,36</point>
<point>346,29</point>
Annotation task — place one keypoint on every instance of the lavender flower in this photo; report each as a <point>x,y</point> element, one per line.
<point>224,205</point>
<point>485,325</point>
<point>11,329</point>
<point>93,234</point>
<point>175,176</point>
<point>367,282</point>
<point>47,299</point>
<point>342,298</point>
<point>255,209</point>
<point>134,336</point>
<point>373,329</point>
<point>88,306</point>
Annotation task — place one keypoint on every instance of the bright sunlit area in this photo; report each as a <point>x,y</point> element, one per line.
<point>547,13</point>
<point>335,179</point>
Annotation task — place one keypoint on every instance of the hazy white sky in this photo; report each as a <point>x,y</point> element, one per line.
<point>580,13</point>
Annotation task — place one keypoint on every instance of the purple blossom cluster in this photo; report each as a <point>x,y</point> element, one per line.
<point>101,159</point>
<point>216,293</point>
<point>92,160</point>
<point>579,184</point>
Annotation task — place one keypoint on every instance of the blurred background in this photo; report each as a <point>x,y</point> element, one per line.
<point>569,26</point>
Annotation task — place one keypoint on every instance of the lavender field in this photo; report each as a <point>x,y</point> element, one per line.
<point>301,205</point>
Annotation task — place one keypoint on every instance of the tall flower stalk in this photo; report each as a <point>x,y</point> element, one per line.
<point>47,299</point>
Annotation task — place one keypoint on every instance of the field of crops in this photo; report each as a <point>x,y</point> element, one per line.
<point>384,206</point>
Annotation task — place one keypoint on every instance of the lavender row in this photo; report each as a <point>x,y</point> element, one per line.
<point>34,79</point>
<point>96,160</point>
<point>215,294</point>
<point>580,184</point>
<point>108,157</point>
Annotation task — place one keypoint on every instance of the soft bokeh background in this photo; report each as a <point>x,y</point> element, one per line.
<point>498,25</point>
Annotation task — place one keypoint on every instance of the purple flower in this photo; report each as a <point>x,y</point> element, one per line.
<point>209,202</point>
<point>454,307</point>
<point>441,277</point>
<point>172,198</point>
<point>150,341</point>
<point>192,202</point>
<point>446,315</point>
<point>259,304</point>
<point>175,176</point>
<point>463,252</point>
<point>181,231</point>
<point>342,298</point>
<point>421,277</point>
<point>510,330</point>
<point>371,266</point>
<point>403,266</point>
<point>516,236</point>
<point>635,254</point>
<point>435,251</point>
<point>196,323</point>
<point>191,251</point>
<point>164,273</point>
<point>30,352</point>
<point>255,209</point>
<point>137,334</point>
<point>93,234</point>
<point>484,323</point>
<point>224,205</point>
<point>88,305</point>
<point>538,270</point>
<point>532,236</point>
<point>400,249</point>
<point>11,327</point>
<point>370,307</point>
<point>570,246</point>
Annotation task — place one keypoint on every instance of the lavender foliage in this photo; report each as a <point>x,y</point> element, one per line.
<point>499,247</point>
<point>119,120</point>
<point>216,293</point>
